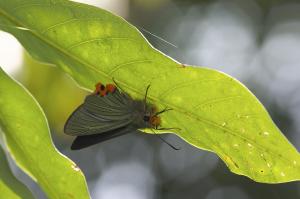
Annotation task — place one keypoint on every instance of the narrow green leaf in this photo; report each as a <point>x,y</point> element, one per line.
<point>214,111</point>
<point>28,140</point>
<point>10,187</point>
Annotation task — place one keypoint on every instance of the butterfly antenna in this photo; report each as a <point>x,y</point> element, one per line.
<point>166,142</point>
<point>164,110</point>
<point>145,98</point>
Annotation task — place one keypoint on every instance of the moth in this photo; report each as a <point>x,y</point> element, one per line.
<point>108,113</point>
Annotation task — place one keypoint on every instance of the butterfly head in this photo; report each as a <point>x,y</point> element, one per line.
<point>152,119</point>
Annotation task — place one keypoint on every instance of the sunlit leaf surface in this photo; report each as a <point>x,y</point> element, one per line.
<point>10,187</point>
<point>27,135</point>
<point>214,111</point>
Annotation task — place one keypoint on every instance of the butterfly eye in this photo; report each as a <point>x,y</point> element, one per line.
<point>146,118</point>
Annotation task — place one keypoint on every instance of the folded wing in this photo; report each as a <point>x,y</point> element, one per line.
<point>100,114</point>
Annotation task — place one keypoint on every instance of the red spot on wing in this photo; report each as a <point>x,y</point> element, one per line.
<point>110,88</point>
<point>104,90</point>
<point>100,89</point>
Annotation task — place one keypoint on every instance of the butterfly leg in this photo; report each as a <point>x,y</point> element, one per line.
<point>170,145</point>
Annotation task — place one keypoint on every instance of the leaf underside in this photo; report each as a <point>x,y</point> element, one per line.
<point>214,111</point>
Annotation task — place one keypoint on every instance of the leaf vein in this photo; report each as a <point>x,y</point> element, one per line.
<point>216,100</point>
<point>182,85</point>
<point>118,67</point>
<point>97,39</point>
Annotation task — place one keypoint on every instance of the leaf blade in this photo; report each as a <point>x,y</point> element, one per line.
<point>29,142</point>
<point>10,186</point>
<point>215,111</point>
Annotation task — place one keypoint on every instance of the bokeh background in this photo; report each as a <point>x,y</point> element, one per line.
<point>256,41</point>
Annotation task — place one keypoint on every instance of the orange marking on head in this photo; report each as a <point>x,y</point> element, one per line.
<point>155,121</point>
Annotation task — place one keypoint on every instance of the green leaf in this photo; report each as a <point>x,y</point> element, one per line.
<point>10,187</point>
<point>214,111</point>
<point>29,142</point>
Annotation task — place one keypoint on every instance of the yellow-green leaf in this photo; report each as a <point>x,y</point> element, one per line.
<point>10,187</point>
<point>214,111</point>
<point>29,142</point>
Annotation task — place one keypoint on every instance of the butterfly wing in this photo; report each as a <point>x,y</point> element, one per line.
<point>81,142</point>
<point>99,114</point>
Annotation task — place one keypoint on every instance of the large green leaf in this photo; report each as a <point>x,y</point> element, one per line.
<point>214,111</point>
<point>10,187</point>
<point>29,142</point>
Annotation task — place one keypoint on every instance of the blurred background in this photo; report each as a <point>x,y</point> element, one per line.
<point>256,41</point>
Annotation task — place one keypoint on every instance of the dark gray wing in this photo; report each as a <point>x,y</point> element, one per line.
<point>100,114</point>
<point>81,142</point>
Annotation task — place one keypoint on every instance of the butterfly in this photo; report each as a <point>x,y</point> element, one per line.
<point>108,113</point>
